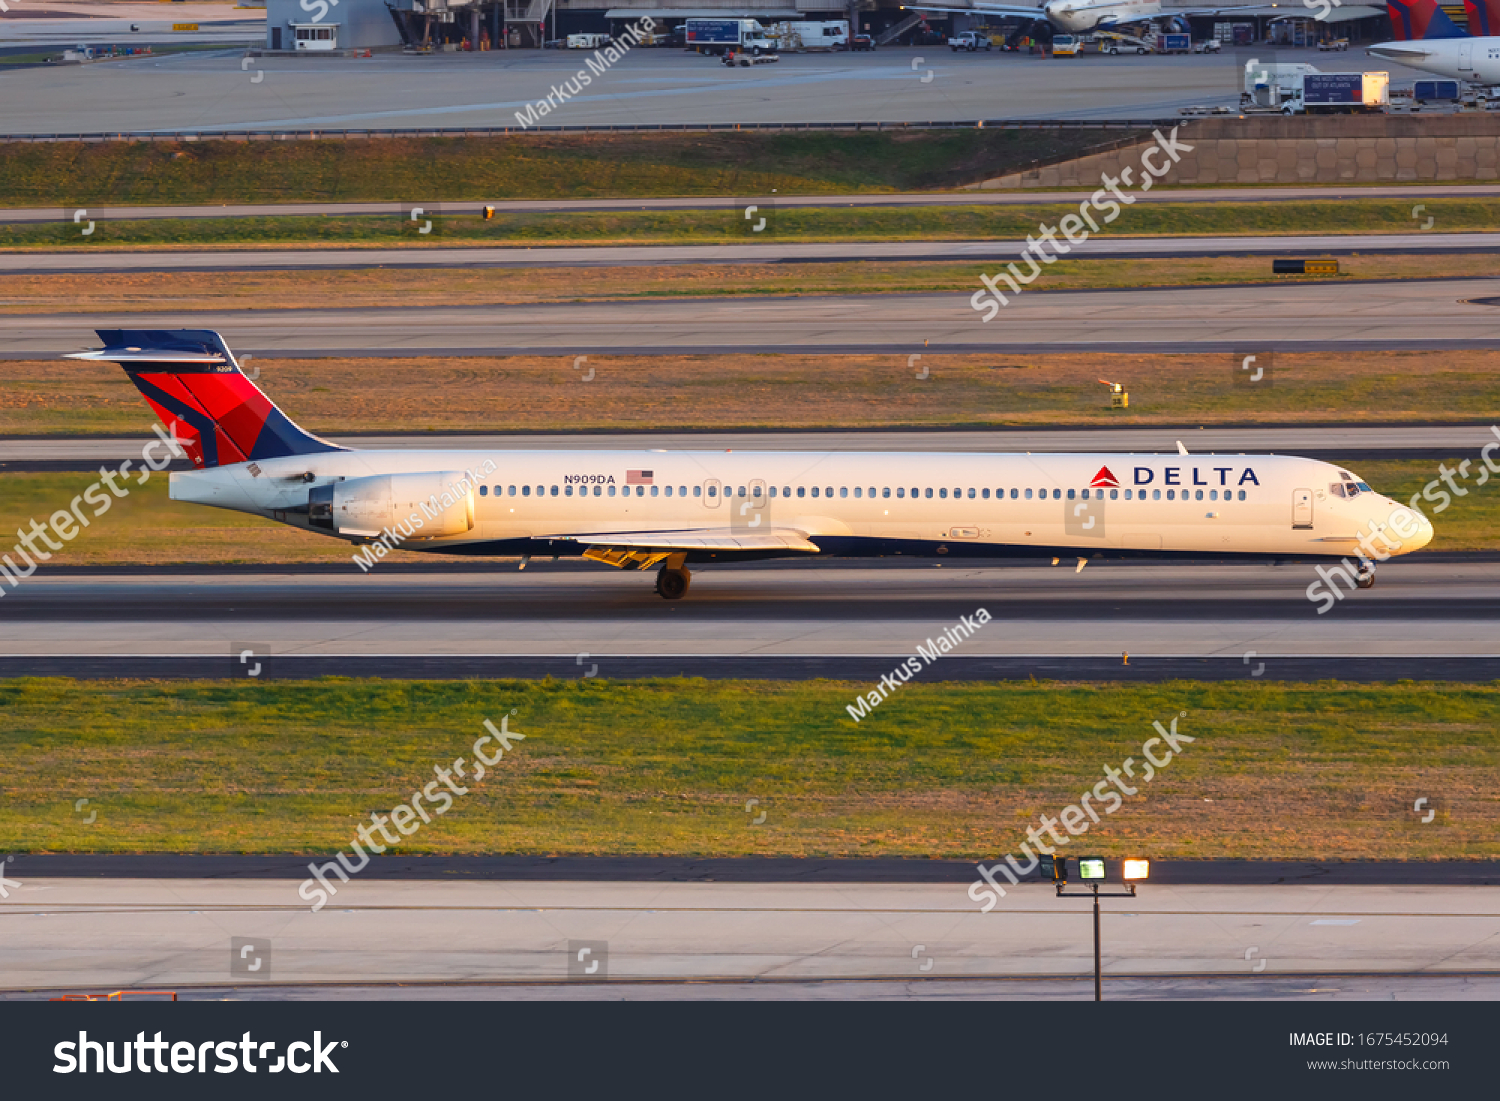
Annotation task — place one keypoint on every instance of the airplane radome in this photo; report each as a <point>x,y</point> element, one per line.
<point>666,510</point>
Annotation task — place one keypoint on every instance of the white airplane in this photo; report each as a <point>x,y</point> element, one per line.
<point>645,509</point>
<point>1083,16</point>
<point>1427,40</point>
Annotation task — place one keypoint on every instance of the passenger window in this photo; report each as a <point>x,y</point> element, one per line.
<point>943,493</point>
<point>815,491</point>
<point>484,491</point>
<point>713,491</point>
<point>1242,495</point>
<point>697,491</point>
<point>1213,495</point>
<point>1156,495</point>
<point>929,492</point>
<point>669,491</point>
<point>1015,492</point>
<point>886,492</point>
<point>598,491</point>
<point>900,492</point>
<point>828,492</point>
<point>682,491</point>
<point>1114,495</point>
<point>525,491</point>
<point>1028,494</point>
<point>801,491</point>
<point>568,491</point>
<point>857,491</point>
<point>611,491</point>
<point>1071,492</point>
<point>843,491</point>
<point>640,491</point>
<point>985,495</point>
<point>971,494</point>
<point>1171,495</point>
<point>511,491</point>
<point>1198,495</point>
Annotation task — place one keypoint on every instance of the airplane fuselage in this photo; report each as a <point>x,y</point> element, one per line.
<point>847,503</point>
<point>1082,16</point>
<point>1476,60</point>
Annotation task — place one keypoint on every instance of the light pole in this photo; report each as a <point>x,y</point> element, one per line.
<point>1091,869</point>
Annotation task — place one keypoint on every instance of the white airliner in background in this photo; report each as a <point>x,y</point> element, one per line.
<point>1427,40</point>
<point>1082,16</point>
<point>645,509</point>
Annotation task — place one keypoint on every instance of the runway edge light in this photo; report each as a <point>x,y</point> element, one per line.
<point>1091,867</point>
<point>1136,869</point>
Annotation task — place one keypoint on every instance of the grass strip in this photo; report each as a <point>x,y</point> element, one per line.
<point>522,166</point>
<point>405,288</point>
<point>809,224</point>
<point>709,392</point>
<point>1275,771</point>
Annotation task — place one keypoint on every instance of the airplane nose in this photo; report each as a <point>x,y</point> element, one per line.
<point>1424,534</point>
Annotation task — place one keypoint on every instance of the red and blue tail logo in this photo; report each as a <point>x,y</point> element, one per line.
<point>1484,17</point>
<point>1416,19</point>
<point>198,390</point>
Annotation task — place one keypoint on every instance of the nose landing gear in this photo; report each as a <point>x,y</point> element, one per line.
<point>1365,578</point>
<point>673,584</point>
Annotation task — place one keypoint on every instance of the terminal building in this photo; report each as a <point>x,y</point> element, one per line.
<point>343,26</point>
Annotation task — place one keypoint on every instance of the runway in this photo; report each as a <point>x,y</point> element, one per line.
<point>648,87</point>
<point>999,252</point>
<point>104,934</point>
<point>1344,442</point>
<point>1408,315</point>
<point>968,197</point>
<point>1423,619</point>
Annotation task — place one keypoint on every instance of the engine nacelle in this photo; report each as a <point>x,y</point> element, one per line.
<point>443,502</point>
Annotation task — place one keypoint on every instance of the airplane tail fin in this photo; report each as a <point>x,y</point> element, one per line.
<point>192,381</point>
<point>1416,19</point>
<point>1484,17</point>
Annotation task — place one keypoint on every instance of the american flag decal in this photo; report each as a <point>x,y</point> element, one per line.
<point>638,477</point>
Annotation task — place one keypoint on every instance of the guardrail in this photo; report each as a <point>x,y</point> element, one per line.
<point>687,128</point>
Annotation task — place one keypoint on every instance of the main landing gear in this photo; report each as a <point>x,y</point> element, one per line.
<point>673,584</point>
<point>1365,577</point>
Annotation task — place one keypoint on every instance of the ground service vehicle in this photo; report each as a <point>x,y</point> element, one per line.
<point>1439,91</point>
<point>1065,45</point>
<point>969,40</point>
<point>1339,94</point>
<point>1174,43</point>
<point>824,34</point>
<point>1267,85</point>
<point>862,42</point>
<point>587,41</point>
<point>714,36</point>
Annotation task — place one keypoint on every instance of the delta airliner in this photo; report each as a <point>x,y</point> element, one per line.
<point>666,509</point>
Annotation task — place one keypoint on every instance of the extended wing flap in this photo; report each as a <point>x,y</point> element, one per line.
<point>642,550</point>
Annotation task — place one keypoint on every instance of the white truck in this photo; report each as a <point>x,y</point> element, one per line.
<point>716,36</point>
<point>1339,94</point>
<point>801,36</point>
<point>587,41</point>
<point>969,40</point>
<point>1268,84</point>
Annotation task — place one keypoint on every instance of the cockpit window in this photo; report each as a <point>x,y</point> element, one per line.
<point>1364,488</point>
<point>1337,489</point>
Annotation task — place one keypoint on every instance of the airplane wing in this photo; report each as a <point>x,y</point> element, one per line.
<point>642,550</point>
<point>1020,11</point>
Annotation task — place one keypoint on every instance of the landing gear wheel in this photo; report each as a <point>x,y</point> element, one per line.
<point>1365,579</point>
<point>673,584</point>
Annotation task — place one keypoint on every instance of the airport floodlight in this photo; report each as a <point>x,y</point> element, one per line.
<point>1055,868</point>
<point>1137,869</point>
<point>1091,867</point>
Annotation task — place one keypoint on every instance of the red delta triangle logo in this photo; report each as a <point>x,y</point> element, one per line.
<point>1104,480</point>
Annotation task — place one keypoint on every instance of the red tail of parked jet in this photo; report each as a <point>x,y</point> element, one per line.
<point>1484,17</point>
<point>1414,19</point>
<point>199,392</point>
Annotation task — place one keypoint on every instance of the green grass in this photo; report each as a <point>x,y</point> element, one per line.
<point>729,227</point>
<point>547,166</point>
<point>147,528</point>
<point>666,767</point>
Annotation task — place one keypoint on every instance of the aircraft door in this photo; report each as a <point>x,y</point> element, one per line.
<point>1466,56</point>
<point>1302,508</point>
<point>711,491</point>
